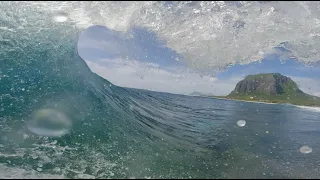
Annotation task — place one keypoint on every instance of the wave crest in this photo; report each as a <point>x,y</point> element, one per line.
<point>212,34</point>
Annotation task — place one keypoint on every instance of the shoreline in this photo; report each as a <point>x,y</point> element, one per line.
<point>261,102</point>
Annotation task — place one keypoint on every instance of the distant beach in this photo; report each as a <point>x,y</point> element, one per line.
<point>261,102</point>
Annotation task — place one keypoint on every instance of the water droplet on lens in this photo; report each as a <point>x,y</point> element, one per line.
<point>56,169</point>
<point>241,123</point>
<point>49,122</point>
<point>25,136</point>
<point>60,17</point>
<point>131,107</point>
<point>305,149</point>
<point>34,156</point>
<point>39,169</point>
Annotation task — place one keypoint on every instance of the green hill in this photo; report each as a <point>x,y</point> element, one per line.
<point>273,88</point>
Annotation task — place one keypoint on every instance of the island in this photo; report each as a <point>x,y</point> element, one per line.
<point>195,93</point>
<point>271,88</point>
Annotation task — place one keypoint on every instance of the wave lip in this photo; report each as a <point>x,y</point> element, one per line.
<point>204,32</point>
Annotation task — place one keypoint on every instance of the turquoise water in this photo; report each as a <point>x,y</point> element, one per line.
<point>105,131</point>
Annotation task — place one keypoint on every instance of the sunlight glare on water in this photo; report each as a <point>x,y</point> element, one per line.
<point>49,122</point>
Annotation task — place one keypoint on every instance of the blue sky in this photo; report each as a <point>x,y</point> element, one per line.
<point>139,59</point>
<point>143,46</point>
<point>290,67</point>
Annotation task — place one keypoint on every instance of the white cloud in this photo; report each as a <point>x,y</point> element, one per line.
<point>131,73</point>
<point>316,94</point>
<point>97,44</point>
<point>99,41</point>
<point>308,85</point>
<point>150,76</point>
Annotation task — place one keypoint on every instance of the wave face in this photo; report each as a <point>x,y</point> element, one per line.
<point>107,131</point>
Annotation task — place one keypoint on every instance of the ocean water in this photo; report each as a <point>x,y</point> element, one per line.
<point>128,133</point>
<point>58,119</point>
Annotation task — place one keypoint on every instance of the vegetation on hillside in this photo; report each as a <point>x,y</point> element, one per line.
<point>286,90</point>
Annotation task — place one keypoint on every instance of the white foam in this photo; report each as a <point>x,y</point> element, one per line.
<point>314,109</point>
<point>207,34</point>
<point>17,173</point>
